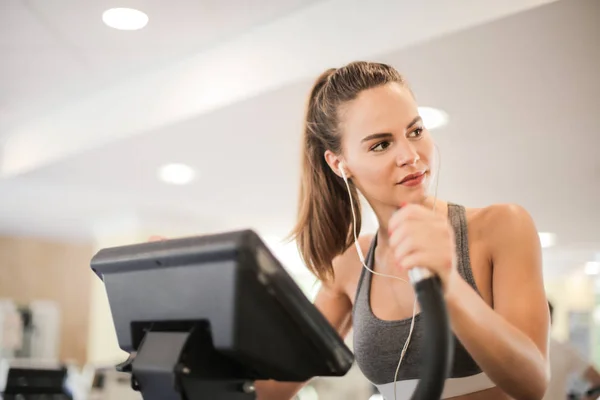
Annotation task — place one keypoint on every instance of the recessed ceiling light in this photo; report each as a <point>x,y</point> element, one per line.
<point>433,117</point>
<point>592,268</point>
<point>125,19</point>
<point>547,239</point>
<point>176,174</point>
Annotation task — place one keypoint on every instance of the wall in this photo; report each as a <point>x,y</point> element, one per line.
<point>572,293</point>
<point>41,269</point>
<point>576,292</point>
<point>103,348</point>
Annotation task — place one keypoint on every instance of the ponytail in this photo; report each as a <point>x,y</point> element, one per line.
<point>325,227</point>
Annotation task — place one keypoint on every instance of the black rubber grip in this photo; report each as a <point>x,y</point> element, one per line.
<point>438,345</point>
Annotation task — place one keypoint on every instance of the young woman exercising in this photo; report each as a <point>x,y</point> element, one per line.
<point>363,134</point>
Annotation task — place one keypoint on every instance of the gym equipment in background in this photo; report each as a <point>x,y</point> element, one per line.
<point>29,331</point>
<point>25,379</point>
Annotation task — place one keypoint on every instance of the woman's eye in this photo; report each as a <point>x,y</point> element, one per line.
<point>380,146</point>
<point>416,133</point>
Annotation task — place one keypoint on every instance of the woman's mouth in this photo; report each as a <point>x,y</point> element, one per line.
<point>413,179</point>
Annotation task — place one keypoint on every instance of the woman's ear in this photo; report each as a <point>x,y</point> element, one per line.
<point>336,164</point>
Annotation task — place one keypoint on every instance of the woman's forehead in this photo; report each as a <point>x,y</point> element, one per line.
<point>381,109</point>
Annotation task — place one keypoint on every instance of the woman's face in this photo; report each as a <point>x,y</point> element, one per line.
<point>385,147</point>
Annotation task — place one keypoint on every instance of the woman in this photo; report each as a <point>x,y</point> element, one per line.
<point>362,122</point>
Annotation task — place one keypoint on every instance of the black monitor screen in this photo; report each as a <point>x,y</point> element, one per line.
<point>232,283</point>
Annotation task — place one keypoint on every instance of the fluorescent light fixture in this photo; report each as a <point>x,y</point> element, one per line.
<point>592,268</point>
<point>176,174</point>
<point>547,239</point>
<point>125,19</point>
<point>433,117</point>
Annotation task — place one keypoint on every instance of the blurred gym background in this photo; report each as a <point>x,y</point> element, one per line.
<point>185,118</point>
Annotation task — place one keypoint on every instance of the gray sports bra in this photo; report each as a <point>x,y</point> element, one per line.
<point>378,343</point>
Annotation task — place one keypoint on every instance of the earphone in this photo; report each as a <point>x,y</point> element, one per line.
<point>362,258</point>
<point>358,248</point>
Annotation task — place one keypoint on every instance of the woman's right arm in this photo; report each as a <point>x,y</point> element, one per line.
<point>335,305</point>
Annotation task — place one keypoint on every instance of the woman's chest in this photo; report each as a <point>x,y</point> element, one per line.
<point>393,299</point>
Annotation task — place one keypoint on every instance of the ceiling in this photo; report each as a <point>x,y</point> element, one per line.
<point>88,114</point>
<point>58,51</point>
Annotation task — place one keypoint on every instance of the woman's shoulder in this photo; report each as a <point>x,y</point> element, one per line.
<point>498,215</point>
<point>495,222</point>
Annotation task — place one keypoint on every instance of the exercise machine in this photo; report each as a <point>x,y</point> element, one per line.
<point>205,317</point>
<point>29,331</point>
<point>109,384</point>
<point>26,379</point>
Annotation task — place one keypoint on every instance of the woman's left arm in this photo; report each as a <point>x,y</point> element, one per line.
<point>510,341</point>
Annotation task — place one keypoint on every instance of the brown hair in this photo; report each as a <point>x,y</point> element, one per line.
<point>324,229</point>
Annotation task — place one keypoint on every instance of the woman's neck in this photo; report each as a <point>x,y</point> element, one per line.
<point>384,214</point>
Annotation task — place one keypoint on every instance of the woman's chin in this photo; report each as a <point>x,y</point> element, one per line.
<point>415,194</point>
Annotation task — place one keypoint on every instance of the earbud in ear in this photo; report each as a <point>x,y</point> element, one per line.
<point>342,171</point>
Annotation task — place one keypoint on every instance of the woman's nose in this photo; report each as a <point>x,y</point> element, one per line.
<point>406,155</point>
